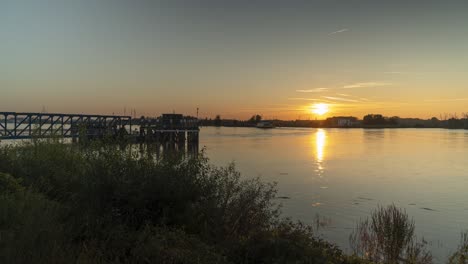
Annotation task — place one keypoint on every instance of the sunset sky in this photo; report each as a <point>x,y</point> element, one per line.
<point>235,58</point>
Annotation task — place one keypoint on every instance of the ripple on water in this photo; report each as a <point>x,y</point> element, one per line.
<point>428,209</point>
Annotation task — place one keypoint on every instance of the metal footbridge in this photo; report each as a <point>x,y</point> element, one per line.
<point>18,125</point>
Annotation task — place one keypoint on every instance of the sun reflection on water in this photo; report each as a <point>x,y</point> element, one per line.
<point>320,143</point>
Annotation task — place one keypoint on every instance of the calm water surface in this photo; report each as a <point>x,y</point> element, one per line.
<point>342,174</point>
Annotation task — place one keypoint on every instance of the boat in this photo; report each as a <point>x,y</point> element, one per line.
<point>265,124</point>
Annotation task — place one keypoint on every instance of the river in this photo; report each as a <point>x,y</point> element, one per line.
<point>342,174</point>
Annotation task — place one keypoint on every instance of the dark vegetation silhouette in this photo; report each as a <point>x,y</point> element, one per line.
<point>218,121</point>
<point>255,119</point>
<point>379,120</point>
<point>101,203</point>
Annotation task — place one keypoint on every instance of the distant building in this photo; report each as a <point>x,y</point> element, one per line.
<point>342,121</point>
<point>177,121</point>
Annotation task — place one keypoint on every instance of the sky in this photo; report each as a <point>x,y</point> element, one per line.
<point>235,58</point>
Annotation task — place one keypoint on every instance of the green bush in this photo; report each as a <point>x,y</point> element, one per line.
<point>9,184</point>
<point>31,230</point>
<point>287,242</point>
<point>162,245</point>
<point>105,203</point>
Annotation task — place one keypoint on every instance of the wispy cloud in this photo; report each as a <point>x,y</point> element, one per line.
<point>340,99</point>
<point>315,90</point>
<point>366,85</point>
<point>311,99</point>
<point>353,96</point>
<point>338,31</point>
<point>306,99</point>
<point>446,100</point>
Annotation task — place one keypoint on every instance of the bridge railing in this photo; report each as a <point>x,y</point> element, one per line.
<point>28,125</point>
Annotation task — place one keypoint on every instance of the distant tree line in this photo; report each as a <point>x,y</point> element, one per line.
<point>368,121</point>
<point>457,123</point>
<point>218,121</point>
<point>379,120</point>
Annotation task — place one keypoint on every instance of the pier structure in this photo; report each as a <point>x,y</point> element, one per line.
<point>168,132</point>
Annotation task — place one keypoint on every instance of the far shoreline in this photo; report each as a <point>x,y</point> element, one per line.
<point>370,121</point>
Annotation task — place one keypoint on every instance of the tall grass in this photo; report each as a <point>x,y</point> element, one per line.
<point>461,255</point>
<point>388,237</point>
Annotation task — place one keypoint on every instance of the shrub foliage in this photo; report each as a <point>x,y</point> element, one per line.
<point>105,203</point>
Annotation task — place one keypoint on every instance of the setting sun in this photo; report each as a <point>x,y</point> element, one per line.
<point>319,109</point>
